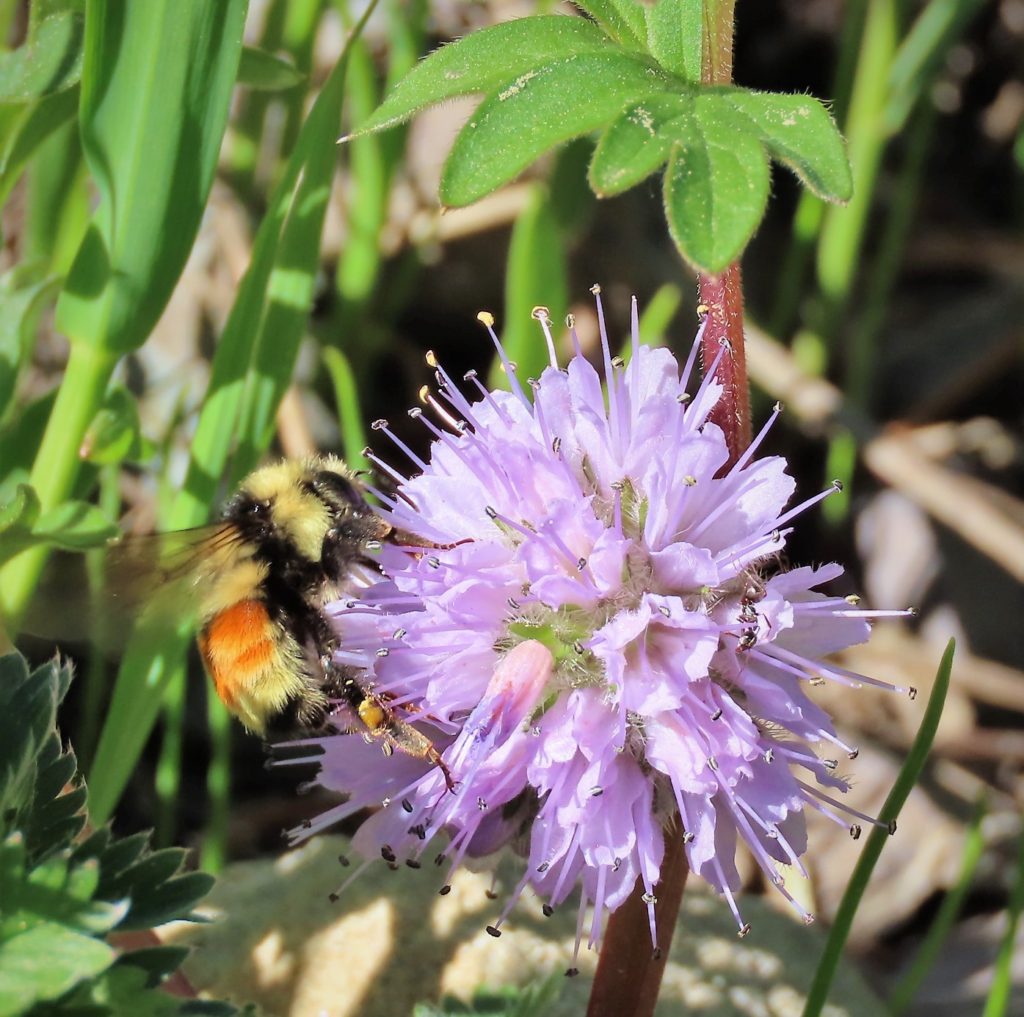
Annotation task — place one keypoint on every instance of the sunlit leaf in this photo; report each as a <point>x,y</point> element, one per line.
<point>675,30</point>
<point>542,108</point>
<point>486,60</point>
<point>798,131</point>
<point>716,187</point>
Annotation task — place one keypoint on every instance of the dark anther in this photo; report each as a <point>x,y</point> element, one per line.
<point>657,954</point>
<point>544,866</point>
<point>492,513</point>
<point>912,692</point>
<point>490,895</point>
<point>855,831</point>
<point>596,792</point>
<point>387,854</point>
<point>344,861</point>
<point>412,863</point>
<point>445,890</point>
<point>407,805</point>
<point>743,931</point>
<point>578,646</point>
<point>333,898</point>
<point>513,603</point>
<point>717,714</point>
<point>556,445</point>
<point>547,910</point>
<point>892,827</point>
<point>853,753</point>
<point>581,564</point>
<point>572,972</point>
<point>492,931</point>
<point>830,764</point>
<point>439,860</point>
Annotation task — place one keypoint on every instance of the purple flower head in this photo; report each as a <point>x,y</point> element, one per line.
<point>595,633</point>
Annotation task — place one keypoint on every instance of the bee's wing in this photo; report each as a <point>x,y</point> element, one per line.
<point>99,601</point>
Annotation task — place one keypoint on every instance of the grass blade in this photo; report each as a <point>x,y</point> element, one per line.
<point>908,775</point>
<point>907,986</point>
<point>249,374</point>
<point>998,1002</point>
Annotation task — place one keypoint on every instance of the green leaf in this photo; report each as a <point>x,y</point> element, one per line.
<point>74,526</point>
<point>798,131</point>
<point>22,296</point>
<point>675,33</point>
<point>638,143</point>
<point>33,124</point>
<point>50,61</point>
<point>33,769</point>
<point>20,512</point>
<point>115,433</point>
<point>486,60</point>
<point>623,20</point>
<point>715,189</point>
<point>264,72</point>
<point>156,82</point>
<point>540,109</point>
<point>44,962</point>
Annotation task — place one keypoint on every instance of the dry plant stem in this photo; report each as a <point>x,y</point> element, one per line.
<point>629,971</point>
<point>722,296</point>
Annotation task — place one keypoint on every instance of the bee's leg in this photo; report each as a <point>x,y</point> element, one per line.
<point>381,722</point>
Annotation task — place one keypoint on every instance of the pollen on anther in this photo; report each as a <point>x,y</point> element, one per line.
<point>744,930</point>
<point>379,424</point>
<point>486,319</point>
<point>540,313</point>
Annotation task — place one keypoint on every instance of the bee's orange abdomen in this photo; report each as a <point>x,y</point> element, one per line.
<point>237,645</point>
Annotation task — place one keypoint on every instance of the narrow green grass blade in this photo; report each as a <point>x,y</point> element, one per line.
<point>156,81</point>
<point>274,290</point>
<point>998,1002</point>
<point>346,401</point>
<point>903,993</point>
<point>908,775</point>
<point>218,786</point>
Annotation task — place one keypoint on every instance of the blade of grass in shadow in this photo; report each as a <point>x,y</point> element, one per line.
<point>266,295</point>
<point>156,82</point>
<point>818,994</point>
<point>998,1002</point>
<point>346,401</point>
<point>905,989</point>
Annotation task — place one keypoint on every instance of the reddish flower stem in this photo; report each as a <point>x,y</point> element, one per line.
<point>722,296</point>
<point>628,975</point>
<point>629,970</point>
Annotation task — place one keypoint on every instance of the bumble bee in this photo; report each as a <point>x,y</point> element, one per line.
<point>287,544</point>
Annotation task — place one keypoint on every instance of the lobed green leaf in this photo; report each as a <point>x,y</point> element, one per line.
<point>637,143</point>
<point>487,60</point>
<point>542,108</point>
<point>798,131</point>
<point>715,190</point>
